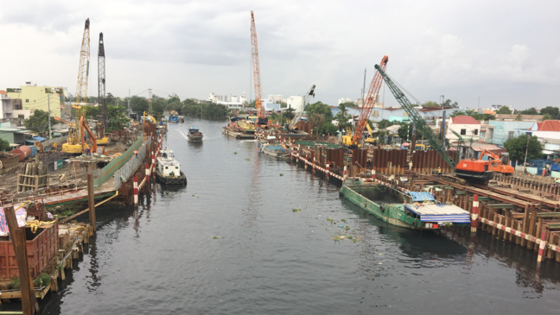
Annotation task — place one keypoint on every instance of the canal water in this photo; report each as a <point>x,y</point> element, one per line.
<point>231,243</point>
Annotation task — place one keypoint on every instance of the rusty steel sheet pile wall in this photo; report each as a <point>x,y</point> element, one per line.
<point>336,158</point>
<point>359,156</point>
<point>393,162</point>
<point>304,126</point>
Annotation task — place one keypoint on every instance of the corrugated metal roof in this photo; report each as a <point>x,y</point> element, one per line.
<point>421,196</point>
<point>440,213</point>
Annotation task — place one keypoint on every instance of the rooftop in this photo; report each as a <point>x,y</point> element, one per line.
<point>465,120</point>
<point>548,125</point>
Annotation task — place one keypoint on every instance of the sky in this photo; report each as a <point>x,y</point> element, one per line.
<point>501,52</point>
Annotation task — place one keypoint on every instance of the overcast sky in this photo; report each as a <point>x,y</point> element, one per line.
<point>505,52</point>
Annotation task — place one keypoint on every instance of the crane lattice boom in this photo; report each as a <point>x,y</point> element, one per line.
<point>83,72</point>
<point>421,125</point>
<point>101,83</point>
<point>306,99</point>
<point>370,99</point>
<point>256,69</point>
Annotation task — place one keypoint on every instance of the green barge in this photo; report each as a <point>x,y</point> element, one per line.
<point>414,210</point>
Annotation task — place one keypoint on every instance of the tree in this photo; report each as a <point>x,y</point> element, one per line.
<point>504,110</point>
<point>289,113</point>
<point>384,124</point>
<point>348,105</point>
<point>139,104</point>
<point>91,112</point>
<point>519,118</point>
<point>447,103</point>
<point>316,120</point>
<point>38,122</point>
<point>117,117</point>
<point>4,145</point>
<point>546,116</point>
<point>343,118</point>
<point>530,111</point>
<point>553,111</point>
<point>518,146</point>
<point>283,105</point>
<point>320,108</point>
<point>328,128</point>
<point>431,104</point>
<point>405,131</point>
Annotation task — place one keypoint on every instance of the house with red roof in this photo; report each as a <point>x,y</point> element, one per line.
<point>548,133</point>
<point>465,126</point>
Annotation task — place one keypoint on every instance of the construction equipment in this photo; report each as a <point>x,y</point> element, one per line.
<point>103,116</point>
<point>472,170</point>
<point>497,163</point>
<point>72,145</point>
<point>257,74</point>
<point>369,103</point>
<point>84,126</point>
<point>347,138</point>
<point>150,117</point>
<point>370,139</point>
<point>83,72</point>
<point>299,113</point>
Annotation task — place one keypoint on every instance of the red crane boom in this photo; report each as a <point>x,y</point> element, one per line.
<point>369,103</point>
<point>256,69</point>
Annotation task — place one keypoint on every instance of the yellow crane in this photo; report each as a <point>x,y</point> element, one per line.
<point>83,72</point>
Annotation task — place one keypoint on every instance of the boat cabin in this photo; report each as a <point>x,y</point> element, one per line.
<point>167,164</point>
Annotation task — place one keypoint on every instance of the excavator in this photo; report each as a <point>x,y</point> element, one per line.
<point>498,164</point>
<point>476,171</point>
<point>84,126</point>
<point>370,139</point>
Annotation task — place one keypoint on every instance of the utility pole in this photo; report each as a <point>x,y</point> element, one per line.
<point>49,114</point>
<point>443,123</point>
<point>150,100</point>
<point>129,102</point>
<point>526,151</point>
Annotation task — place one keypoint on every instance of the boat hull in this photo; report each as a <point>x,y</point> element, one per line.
<point>171,180</point>
<point>195,138</point>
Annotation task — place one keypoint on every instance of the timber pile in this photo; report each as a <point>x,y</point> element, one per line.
<point>32,176</point>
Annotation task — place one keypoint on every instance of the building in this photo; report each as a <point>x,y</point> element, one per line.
<point>295,102</point>
<point>504,130</point>
<point>7,107</point>
<point>513,117</point>
<point>37,97</point>
<point>465,126</point>
<point>344,100</point>
<point>276,98</point>
<point>14,135</point>
<point>234,103</point>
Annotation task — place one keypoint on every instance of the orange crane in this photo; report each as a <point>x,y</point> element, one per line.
<point>256,72</point>
<point>369,103</point>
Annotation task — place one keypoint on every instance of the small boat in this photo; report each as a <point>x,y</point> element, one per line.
<point>168,170</point>
<point>413,210</point>
<point>195,134</point>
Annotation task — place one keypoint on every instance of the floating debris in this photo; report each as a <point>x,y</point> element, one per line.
<point>343,220</point>
<point>282,175</point>
<point>347,228</point>
<point>342,237</point>
<point>296,210</point>
<point>331,220</point>
<point>216,237</point>
<point>234,152</point>
<point>247,159</point>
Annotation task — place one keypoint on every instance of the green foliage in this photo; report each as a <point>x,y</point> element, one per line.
<point>343,118</point>
<point>4,145</point>
<point>211,111</point>
<point>43,280</point>
<point>519,118</point>
<point>517,147</point>
<point>91,112</point>
<point>385,123</point>
<point>405,131</point>
<point>530,111</point>
<point>253,104</point>
<point>504,110</point>
<point>320,108</point>
<point>546,116</point>
<point>553,111</point>
<point>348,105</point>
<point>431,104</point>
<point>289,113</point>
<point>316,120</point>
<point>328,128</point>
<point>39,121</point>
<point>283,105</point>
<point>117,117</point>
<point>158,105</point>
<point>139,104</point>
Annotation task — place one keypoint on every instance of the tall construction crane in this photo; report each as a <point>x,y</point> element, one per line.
<point>369,102</point>
<point>421,125</point>
<point>256,72</point>
<point>102,117</point>
<point>473,170</point>
<point>300,112</point>
<point>83,71</point>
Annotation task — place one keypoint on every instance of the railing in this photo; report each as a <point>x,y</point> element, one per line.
<point>110,169</point>
<point>127,170</point>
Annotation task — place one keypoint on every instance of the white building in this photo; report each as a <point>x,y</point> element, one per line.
<point>6,108</point>
<point>234,102</point>
<point>344,100</point>
<point>276,98</point>
<point>295,102</point>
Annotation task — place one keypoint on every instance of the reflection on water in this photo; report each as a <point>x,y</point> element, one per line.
<point>162,258</point>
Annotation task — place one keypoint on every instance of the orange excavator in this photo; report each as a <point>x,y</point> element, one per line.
<point>498,164</point>
<point>84,125</point>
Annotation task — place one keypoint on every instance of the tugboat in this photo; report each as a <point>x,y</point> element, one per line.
<point>168,169</point>
<point>195,134</point>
